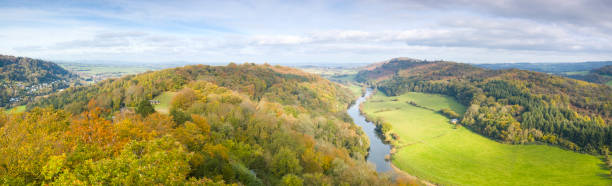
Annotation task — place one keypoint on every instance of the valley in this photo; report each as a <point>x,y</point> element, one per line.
<point>378,150</point>
<point>432,148</point>
<point>92,72</point>
<point>306,93</point>
<point>25,79</point>
<point>405,100</point>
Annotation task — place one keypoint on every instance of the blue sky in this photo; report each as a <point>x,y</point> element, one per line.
<point>326,31</point>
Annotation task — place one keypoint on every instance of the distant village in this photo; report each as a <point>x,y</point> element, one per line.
<point>21,91</point>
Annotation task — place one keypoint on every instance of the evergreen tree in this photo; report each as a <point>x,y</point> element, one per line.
<point>145,108</point>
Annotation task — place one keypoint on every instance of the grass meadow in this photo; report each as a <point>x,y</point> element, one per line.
<point>431,148</point>
<point>18,109</point>
<point>164,102</point>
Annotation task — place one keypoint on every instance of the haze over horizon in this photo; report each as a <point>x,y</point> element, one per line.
<point>308,31</point>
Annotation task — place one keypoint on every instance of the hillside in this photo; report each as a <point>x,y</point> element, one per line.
<point>430,147</point>
<point>553,68</point>
<point>586,71</point>
<point>604,74</point>
<point>237,124</point>
<point>513,106</point>
<point>23,78</point>
<point>606,70</point>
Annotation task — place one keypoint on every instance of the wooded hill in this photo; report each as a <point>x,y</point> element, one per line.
<point>601,75</point>
<point>24,78</point>
<point>512,106</point>
<point>586,71</point>
<point>237,124</point>
<point>606,70</point>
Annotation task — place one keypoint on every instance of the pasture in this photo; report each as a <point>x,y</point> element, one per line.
<point>18,109</point>
<point>431,148</point>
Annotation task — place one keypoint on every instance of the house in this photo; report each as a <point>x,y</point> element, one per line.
<point>154,102</point>
<point>454,121</point>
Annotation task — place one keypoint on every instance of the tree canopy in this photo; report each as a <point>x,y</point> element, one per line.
<point>240,124</point>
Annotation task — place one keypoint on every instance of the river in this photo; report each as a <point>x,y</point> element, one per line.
<point>378,149</point>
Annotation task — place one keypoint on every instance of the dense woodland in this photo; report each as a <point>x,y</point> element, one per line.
<point>23,78</point>
<point>513,106</point>
<point>240,124</point>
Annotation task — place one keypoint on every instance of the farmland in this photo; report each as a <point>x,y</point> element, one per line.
<point>431,148</point>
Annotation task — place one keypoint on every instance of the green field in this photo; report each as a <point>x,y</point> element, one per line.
<point>432,149</point>
<point>355,89</point>
<point>93,69</point>
<point>94,72</point>
<point>164,102</point>
<point>577,73</point>
<point>18,109</point>
<point>609,83</point>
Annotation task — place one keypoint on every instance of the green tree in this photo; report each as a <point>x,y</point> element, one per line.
<point>291,180</point>
<point>285,162</point>
<point>158,162</point>
<point>178,116</point>
<point>145,108</point>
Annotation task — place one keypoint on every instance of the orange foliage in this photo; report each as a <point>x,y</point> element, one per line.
<point>90,128</point>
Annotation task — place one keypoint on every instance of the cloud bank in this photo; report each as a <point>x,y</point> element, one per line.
<point>308,31</point>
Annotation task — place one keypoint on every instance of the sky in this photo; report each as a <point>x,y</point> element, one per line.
<point>325,31</point>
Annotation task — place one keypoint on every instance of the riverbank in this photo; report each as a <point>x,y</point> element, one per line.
<point>380,151</point>
<point>377,149</point>
<point>433,149</point>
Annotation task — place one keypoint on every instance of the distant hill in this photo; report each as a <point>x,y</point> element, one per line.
<point>601,75</point>
<point>23,69</point>
<point>606,70</point>
<point>513,106</point>
<point>580,71</point>
<point>23,78</point>
<point>553,68</point>
<point>387,68</point>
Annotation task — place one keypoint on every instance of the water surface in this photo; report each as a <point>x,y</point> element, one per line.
<point>378,149</point>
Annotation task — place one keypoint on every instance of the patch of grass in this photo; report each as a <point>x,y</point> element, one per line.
<point>432,149</point>
<point>609,83</point>
<point>355,89</point>
<point>18,109</point>
<point>164,102</point>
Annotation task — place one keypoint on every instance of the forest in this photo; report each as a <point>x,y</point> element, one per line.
<point>238,124</point>
<point>512,106</point>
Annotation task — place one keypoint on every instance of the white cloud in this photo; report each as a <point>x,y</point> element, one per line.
<point>317,31</point>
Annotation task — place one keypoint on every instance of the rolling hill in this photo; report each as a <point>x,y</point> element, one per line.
<point>553,68</point>
<point>22,79</point>
<point>585,71</point>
